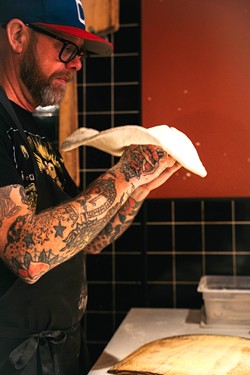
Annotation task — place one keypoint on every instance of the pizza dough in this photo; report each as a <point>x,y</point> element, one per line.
<point>189,355</point>
<point>115,140</point>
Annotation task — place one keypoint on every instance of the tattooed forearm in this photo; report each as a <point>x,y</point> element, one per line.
<point>32,242</point>
<point>85,232</point>
<point>37,243</point>
<point>105,189</point>
<point>116,227</point>
<point>37,257</point>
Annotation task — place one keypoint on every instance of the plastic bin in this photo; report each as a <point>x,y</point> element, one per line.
<point>226,300</point>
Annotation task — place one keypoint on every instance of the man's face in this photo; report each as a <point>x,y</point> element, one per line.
<point>46,87</point>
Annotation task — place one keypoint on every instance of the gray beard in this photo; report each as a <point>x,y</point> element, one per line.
<point>39,87</point>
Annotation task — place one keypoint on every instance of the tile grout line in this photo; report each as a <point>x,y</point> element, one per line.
<point>234,239</point>
<point>173,253</point>
<point>203,238</point>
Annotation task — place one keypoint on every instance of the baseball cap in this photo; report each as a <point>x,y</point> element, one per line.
<point>62,15</point>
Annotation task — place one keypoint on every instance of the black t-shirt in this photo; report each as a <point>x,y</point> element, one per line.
<point>58,299</point>
<point>16,165</point>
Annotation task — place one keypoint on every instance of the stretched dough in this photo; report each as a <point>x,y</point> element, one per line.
<point>115,140</point>
<point>188,355</point>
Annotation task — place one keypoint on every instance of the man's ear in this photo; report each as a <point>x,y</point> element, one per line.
<point>17,35</point>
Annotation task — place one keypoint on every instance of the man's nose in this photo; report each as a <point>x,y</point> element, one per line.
<point>75,64</point>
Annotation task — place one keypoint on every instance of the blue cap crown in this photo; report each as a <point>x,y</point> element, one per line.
<point>62,15</point>
<point>61,12</point>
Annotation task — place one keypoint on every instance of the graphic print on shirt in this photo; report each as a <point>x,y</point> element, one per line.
<point>46,159</point>
<point>48,162</point>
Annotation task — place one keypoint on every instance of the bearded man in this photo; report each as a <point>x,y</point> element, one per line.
<point>47,225</point>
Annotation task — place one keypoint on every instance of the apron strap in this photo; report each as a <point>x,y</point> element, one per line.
<point>37,343</point>
<point>23,353</point>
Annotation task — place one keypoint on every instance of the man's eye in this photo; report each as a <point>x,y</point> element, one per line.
<point>70,48</point>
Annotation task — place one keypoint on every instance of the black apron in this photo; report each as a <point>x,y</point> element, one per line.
<point>41,324</point>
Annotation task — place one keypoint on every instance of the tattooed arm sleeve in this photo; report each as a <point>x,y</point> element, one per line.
<point>125,216</point>
<point>32,244</point>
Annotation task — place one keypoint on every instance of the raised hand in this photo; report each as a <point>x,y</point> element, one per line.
<point>143,163</point>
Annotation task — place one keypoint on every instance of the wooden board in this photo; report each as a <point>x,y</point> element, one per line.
<point>189,355</point>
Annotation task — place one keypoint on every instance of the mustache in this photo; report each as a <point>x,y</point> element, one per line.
<point>67,77</point>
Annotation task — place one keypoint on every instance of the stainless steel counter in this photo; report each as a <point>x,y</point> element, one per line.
<point>144,325</point>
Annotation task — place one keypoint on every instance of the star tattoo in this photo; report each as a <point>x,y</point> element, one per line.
<point>59,229</point>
